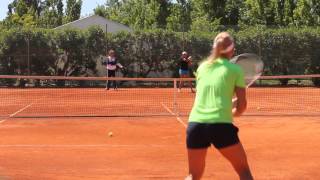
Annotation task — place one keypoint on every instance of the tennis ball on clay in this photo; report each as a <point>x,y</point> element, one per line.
<point>110,134</point>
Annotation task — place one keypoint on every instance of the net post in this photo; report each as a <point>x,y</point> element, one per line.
<point>175,96</point>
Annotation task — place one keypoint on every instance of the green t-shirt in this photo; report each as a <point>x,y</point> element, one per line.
<point>216,84</point>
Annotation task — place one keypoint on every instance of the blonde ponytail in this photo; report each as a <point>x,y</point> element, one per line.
<point>217,48</point>
<point>223,43</point>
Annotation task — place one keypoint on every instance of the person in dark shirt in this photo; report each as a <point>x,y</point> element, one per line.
<point>184,64</point>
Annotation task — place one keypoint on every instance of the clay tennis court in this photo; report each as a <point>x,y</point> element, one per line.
<point>62,133</point>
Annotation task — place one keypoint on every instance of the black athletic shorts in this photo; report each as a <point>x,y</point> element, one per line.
<point>202,135</point>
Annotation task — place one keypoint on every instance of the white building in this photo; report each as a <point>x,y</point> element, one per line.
<point>95,20</point>
<point>103,23</point>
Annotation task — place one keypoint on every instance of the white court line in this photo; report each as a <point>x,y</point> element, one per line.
<point>20,110</point>
<point>177,117</point>
<point>81,145</point>
<point>15,113</point>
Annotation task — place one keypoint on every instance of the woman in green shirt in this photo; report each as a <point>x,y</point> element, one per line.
<point>210,120</point>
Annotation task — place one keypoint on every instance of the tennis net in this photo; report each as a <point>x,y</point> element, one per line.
<point>52,96</point>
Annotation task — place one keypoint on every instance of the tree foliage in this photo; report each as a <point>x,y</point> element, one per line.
<point>41,13</point>
<point>175,15</point>
<point>73,10</point>
<point>73,52</point>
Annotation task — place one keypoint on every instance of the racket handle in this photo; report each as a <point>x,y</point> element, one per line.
<point>234,102</point>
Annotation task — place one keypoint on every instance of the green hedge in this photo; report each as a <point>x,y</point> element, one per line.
<point>285,51</point>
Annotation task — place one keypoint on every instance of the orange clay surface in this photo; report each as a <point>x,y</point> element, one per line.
<point>282,145</point>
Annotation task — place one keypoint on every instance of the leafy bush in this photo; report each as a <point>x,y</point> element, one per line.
<point>152,53</point>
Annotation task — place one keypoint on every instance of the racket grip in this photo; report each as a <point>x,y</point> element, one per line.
<point>234,102</point>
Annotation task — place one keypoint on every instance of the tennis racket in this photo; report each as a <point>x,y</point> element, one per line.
<point>252,66</point>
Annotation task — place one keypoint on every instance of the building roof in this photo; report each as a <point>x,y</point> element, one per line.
<point>95,20</point>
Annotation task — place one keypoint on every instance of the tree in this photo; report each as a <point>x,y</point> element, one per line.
<point>52,14</point>
<point>216,12</point>
<point>20,14</point>
<point>80,49</point>
<point>307,13</point>
<point>60,12</point>
<point>73,10</point>
<point>21,6</point>
<point>180,18</point>
<point>289,6</point>
<point>175,21</point>
<point>138,14</point>
<point>71,43</point>
<point>232,12</point>
<point>95,46</point>
<point>109,10</point>
<point>213,10</point>
<point>163,14</point>
<point>26,12</point>
<point>202,24</point>
<point>258,12</point>
<point>18,46</point>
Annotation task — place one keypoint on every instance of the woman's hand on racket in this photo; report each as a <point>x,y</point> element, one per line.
<point>239,104</point>
<point>189,60</point>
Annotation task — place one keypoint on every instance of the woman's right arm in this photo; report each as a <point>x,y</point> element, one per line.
<point>241,102</point>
